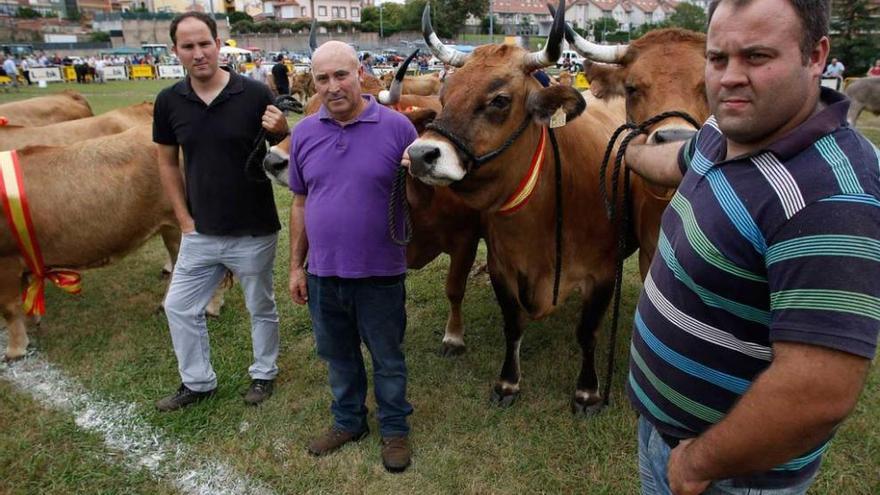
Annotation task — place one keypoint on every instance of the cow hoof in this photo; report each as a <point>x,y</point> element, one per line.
<point>11,359</point>
<point>503,398</point>
<point>588,408</point>
<point>450,349</point>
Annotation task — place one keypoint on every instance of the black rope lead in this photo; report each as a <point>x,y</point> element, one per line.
<point>622,223</point>
<point>558,166</point>
<point>254,165</point>
<point>397,201</point>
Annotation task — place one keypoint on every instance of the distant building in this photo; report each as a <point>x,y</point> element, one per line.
<point>325,10</point>
<point>518,17</point>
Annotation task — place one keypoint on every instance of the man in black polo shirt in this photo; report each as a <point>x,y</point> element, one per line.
<point>279,75</point>
<point>228,221</point>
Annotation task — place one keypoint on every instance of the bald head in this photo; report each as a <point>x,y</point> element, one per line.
<point>337,51</point>
<point>337,75</point>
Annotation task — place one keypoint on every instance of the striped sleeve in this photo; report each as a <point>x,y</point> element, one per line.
<point>823,272</point>
<point>686,154</point>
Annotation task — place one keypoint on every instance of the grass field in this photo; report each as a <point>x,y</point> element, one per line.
<point>113,342</point>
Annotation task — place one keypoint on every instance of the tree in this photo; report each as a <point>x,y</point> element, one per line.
<point>27,13</point>
<point>243,26</point>
<point>239,16</point>
<point>853,34</point>
<point>687,16</point>
<point>73,14</point>
<point>604,26</point>
<point>447,16</point>
<point>99,36</point>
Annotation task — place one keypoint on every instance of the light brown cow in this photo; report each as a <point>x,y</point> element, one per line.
<point>425,84</point>
<point>565,78</point>
<point>73,131</point>
<point>115,205</point>
<point>45,110</point>
<point>493,107</point>
<point>302,85</point>
<point>661,71</point>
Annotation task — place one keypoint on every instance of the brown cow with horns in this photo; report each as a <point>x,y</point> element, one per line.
<point>483,144</point>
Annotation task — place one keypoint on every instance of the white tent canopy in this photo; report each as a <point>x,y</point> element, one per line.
<point>232,50</point>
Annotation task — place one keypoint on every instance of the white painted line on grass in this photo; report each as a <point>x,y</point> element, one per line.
<point>124,430</point>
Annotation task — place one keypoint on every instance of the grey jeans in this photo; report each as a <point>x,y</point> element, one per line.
<point>200,267</point>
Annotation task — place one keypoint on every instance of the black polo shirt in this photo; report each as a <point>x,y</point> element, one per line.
<point>216,140</point>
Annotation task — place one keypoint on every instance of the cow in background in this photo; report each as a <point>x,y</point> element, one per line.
<point>424,85</point>
<point>864,94</point>
<point>72,131</point>
<point>117,204</point>
<point>45,110</point>
<point>659,72</point>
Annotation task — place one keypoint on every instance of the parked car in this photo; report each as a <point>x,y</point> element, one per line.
<point>575,60</point>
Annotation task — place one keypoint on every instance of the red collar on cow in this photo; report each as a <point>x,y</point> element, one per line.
<point>18,216</point>
<point>526,187</point>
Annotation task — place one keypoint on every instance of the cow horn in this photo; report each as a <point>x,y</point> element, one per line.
<point>313,38</point>
<point>391,97</point>
<point>447,55</point>
<point>553,48</point>
<point>596,53</point>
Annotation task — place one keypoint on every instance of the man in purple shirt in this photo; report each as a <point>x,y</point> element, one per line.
<point>343,163</point>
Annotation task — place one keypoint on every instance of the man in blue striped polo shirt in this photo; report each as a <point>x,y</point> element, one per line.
<point>756,326</point>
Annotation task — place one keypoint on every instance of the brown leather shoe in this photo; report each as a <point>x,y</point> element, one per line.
<point>333,439</point>
<point>396,454</point>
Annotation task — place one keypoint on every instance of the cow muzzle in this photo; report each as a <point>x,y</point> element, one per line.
<point>435,162</point>
<point>671,134</point>
<point>276,166</point>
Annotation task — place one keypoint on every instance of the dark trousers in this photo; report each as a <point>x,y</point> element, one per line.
<point>346,312</point>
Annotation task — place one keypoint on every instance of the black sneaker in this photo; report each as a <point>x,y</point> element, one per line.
<point>182,398</point>
<point>259,391</point>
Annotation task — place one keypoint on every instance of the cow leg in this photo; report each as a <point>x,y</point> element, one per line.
<point>171,239</point>
<point>506,388</point>
<point>587,399</point>
<point>219,297</point>
<point>461,260</point>
<point>10,302</point>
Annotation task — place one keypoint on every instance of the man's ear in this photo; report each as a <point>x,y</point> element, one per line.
<point>543,103</point>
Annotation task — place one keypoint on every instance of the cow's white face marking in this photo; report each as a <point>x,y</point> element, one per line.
<point>276,165</point>
<point>446,169</point>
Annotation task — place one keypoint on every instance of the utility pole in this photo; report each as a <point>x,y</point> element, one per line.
<point>381,31</point>
<point>491,23</point>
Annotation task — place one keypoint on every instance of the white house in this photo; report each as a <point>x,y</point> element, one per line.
<point>325,10</point>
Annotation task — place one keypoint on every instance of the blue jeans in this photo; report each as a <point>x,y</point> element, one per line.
<point>201,266</point>
<point>654,457</point>
<point>346,312</point>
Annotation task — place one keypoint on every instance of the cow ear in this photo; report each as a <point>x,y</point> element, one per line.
<point>421,118</point>
<point>543,103</point>
<point>606,80</point>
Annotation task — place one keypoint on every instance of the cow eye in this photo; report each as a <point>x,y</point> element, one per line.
<point>500,102</point>
<point>630,90</point>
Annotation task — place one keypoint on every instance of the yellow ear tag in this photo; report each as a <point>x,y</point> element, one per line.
<point>557,119</point>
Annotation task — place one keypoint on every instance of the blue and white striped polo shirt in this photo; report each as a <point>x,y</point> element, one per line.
<point>780,245</point>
